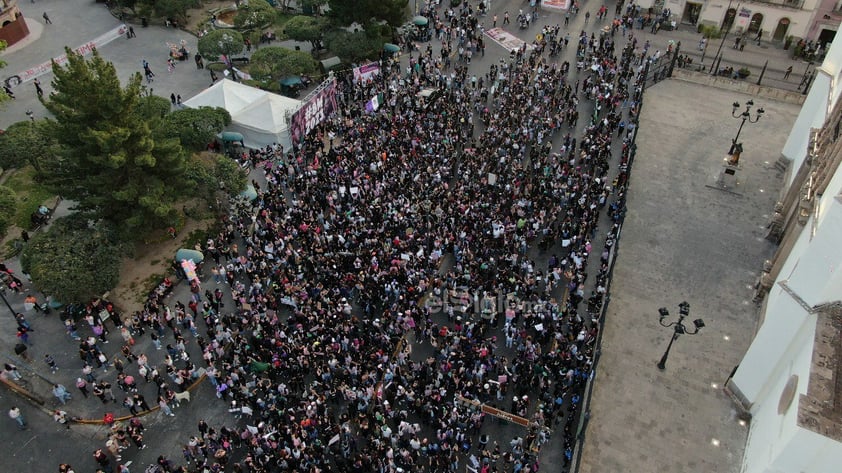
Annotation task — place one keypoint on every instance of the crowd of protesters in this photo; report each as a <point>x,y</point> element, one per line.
<point>367,276</point>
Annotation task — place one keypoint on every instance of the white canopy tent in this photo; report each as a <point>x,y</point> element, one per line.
<point>258,115</point>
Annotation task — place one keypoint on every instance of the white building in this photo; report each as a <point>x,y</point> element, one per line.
<point>815,20</point>
<point>790,380</point>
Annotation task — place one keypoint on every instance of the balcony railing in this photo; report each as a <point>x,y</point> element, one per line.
<point>784,3</point>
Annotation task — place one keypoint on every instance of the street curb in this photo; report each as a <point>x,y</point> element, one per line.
<point>140,414</point>
<point>40,403</point>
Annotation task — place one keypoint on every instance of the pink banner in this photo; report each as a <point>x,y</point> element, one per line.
<point>556,4</point>
<point>84,50</point>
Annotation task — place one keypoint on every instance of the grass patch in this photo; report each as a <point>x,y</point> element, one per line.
<point>30,195</point>
<point>198,236</point>
<point>12,247</point>
<point>277,27</point>
<point>147,286</point>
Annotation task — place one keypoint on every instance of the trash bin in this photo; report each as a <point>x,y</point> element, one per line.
<point>144,22</point>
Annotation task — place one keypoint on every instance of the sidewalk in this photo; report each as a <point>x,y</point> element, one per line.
<point>753,57</point>
<point>682,240</point>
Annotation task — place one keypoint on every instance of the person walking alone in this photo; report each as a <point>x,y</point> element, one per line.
<point>60,392</point>
<point>83,386</point>
<point>16,415</point>
<point>47,19</point>
<point>51,362</point>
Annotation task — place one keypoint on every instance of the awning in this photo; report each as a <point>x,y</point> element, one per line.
<point>231,136</point>
<point>188,254</point>
<point>290,81</point>
<point>391,48</point>
<point>330,62</point>
<point>249,193</point>
<point>420,21</point>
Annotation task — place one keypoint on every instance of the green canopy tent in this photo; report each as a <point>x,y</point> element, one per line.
<point>331,63</point>
<point>249,193</point>
<point>188,254</point>
<point>291,85</point>
<point>291,81</point>
<point>420,21</point>
<point>231,137</point>
<point>391,48</point>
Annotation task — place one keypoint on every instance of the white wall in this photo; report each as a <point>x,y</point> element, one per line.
<point>773,346</point>
<point>771,434</point>
<point>819,103</point>
<point>813,114</point>
<point>809,452</point>
<point>816,275</point>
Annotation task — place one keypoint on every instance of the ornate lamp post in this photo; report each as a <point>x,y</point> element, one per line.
<point>678,328</point>
<point>745,116</point>
<point>6,301</point>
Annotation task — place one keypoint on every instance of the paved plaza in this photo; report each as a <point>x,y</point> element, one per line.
<point>683,240</point>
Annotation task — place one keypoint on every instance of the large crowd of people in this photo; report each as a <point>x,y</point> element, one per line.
<point>405,265</point>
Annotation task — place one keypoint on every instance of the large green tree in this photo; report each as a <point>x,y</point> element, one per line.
<point>353,47</point>
<point>175,9</point>
<point>194,127</point>
<point>108,161</point>
<point>8,207</point>
<point>3,95</point>
<point>254,14</point>
<point>74,260</point>
<point>153,107</point>
<point>26,142</point>
<point>275,62</point>
<point>219,42</point>
<point>211,173</point>
<point>306,28</point>
<point>362,11</point>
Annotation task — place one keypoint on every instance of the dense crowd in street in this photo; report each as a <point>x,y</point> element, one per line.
<point>385,234</point>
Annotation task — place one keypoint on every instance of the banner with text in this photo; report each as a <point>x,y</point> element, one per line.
<point>84,50</point>
<point>313,112</point>
<point>366,72</point>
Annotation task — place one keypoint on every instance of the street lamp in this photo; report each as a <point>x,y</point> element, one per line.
<point>678,328</point>
<point>714,66</point>
<point>745,116</point>
<point>6,301</point>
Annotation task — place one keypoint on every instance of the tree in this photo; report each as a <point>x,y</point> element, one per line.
<point>194,127</point>
<point>8,207</point>
<point>306,28</point>
<point>228,175</point>
<point>312,6</point>
<point>219,42</point>
<point>107,160</point>
<point>211,173</point>
<point>26,142</point>
<point>3,95</point>
<point>275,62</point>
<point>175,9</point>
<point>353,47</point>
<point>74,260</point>
<point>254,14</point>
<point>153,107</point>
<point>362,11</point>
